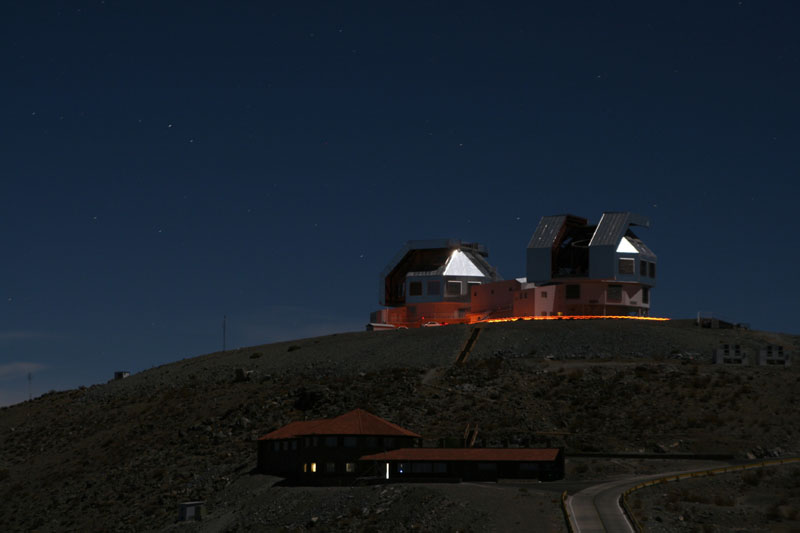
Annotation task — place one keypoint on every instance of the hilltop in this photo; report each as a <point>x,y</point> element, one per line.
<point>120,456</point>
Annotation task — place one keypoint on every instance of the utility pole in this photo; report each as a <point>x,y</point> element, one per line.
<point>224,332</point>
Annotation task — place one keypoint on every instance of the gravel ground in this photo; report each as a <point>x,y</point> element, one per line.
<point>121,456</point>
<point>762,500</point>
<point>254,503</point>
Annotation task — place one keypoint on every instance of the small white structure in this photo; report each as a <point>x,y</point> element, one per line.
<point>772,354</point>
<point>191,511</point>
<point>121,374</point>
<point>730,354</point>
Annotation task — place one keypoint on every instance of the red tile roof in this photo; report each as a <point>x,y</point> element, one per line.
<point>292,429</point>
<point>465,454</point>
<point>356,422</point>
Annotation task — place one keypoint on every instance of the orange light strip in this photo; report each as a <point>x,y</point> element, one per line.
<point>573,317</point>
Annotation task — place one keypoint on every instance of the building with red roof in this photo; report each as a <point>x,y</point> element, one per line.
<point>316,450</point>
<point>483,464</point>
<point>358,444</point>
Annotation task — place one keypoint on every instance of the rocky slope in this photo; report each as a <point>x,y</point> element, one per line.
<point>121,456</point>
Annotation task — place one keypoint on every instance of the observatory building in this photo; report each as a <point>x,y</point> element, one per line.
<point>574,269</point>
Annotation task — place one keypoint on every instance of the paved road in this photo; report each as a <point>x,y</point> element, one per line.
<point>596,509</point>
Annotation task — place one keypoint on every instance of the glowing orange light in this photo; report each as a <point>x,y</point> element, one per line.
<point>573,317</point>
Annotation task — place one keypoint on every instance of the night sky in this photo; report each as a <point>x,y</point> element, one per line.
<point>163,164</point>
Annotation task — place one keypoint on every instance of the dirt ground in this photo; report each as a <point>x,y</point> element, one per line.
<point>758,500</point>
<point>121,456</point>
<point>254,503</point>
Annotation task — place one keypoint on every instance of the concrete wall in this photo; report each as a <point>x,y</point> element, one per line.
<point>494,296</point>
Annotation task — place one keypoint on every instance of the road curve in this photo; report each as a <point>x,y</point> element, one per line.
<point>596,509</point>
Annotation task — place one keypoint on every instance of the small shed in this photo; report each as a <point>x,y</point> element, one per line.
<point>730,354</point>
<point>772,354</point>
<point>191,511</point>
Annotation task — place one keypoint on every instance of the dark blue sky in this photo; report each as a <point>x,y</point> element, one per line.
<point>165,164</point>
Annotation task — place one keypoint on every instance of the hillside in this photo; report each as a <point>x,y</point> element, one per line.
<point>120,456</point>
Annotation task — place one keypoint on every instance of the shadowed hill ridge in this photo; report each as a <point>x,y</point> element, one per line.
<point>120,456</point>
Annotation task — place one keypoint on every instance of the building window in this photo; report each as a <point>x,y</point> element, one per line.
<point>388,442</point>
<point>544,294</point>
<point>305,468</point>
<point>645,295</point>
<point>285,445</point>
<point>439,468</point>
<point>453,288</point>
<point>421,468</point>
<point>487,467</point>
<point>642,268</point>
<point>349,467</point>
<point>349,442</point>
<point>372,442</point>
<point>626,266</point>
<point>415,288</point>
<point>276,446</point>
<point>313,468</point>
<point>316,441</point>
<point>573,292</point>
<point>614,293</point>
<point>652,268</point>
<point>294,445</point>
<point>331,442</point>
<point>330,468</point>
<point>434,288</point>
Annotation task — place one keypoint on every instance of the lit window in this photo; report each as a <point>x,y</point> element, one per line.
<point>626,266</point>
<point>313,467</point>
<point>350,467</point>
<point>415,288</point>
<point>614,293</point>
<point>305,467</point>
<point>453,288</point>
<point>434,288</point>
<point>573,292</point>
<point>350,442</point>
